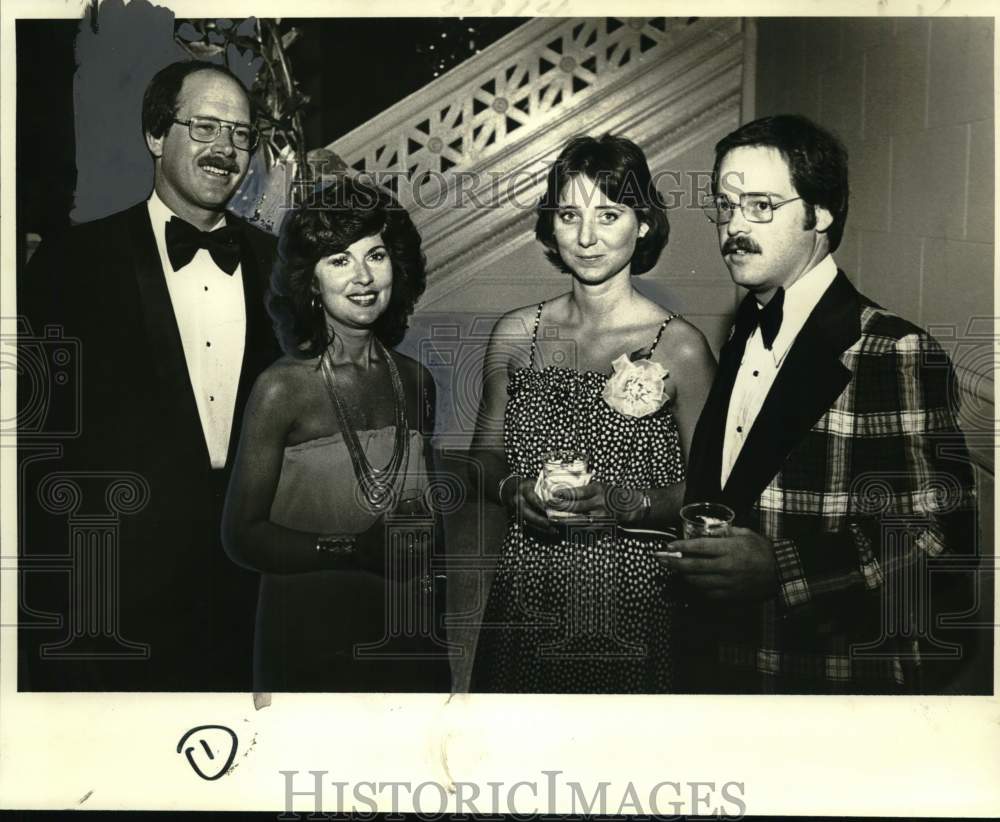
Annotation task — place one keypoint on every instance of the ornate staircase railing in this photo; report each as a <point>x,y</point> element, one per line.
<point>467,153</point>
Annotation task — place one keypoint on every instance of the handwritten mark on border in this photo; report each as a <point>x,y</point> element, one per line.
<point>210,749</point>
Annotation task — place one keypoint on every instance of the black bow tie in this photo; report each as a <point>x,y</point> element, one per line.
<point>184,240</point>
<point>768,318</point>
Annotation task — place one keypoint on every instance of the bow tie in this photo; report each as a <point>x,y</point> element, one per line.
<point>768,318</point>
<point>184,240</point>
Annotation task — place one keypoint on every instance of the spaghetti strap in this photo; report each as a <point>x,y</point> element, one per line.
<point>534,335</point>
<point>659,333</point>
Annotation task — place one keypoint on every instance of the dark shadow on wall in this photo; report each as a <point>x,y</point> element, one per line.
<point>80,149</point>
<point>117,54</point>
<point>45,139</point>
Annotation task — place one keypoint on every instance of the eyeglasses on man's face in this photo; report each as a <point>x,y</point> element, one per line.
<point>207,130</point>
<point>757,207</point>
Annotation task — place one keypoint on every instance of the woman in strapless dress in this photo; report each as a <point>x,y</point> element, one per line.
<point>330,498</point>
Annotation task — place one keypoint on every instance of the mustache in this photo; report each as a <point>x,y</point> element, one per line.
<point>220,162</point>
<point>734,244</point>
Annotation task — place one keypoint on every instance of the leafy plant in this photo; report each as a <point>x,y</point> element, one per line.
<point>256,50</point>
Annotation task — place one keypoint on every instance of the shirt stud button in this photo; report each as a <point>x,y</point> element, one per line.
<point>755,373</point>
<point>739,429</point>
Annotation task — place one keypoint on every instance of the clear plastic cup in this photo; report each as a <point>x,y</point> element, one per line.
<point>706,519</point>
<point>565,468</point>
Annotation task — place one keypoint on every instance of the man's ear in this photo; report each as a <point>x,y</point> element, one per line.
<point>155,145</point>
<point>824,219</point>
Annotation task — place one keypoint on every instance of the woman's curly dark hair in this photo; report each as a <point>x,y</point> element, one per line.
<point>340,215</point>
<point>619,168</point>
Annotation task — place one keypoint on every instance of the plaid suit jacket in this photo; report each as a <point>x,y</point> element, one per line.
<point>858,473</point>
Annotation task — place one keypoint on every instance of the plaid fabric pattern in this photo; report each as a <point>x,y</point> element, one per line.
<point>877,491</point>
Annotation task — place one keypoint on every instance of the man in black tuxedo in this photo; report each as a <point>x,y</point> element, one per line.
<point>166,299</point>
<point>830,431</point>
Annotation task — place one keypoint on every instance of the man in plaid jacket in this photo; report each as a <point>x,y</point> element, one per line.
<point>829,431</point>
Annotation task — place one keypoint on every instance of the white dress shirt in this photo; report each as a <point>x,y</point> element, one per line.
<point>759,367</point>
<point>210,311</point>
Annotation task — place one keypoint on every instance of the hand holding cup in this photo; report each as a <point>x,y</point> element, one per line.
<point>561,470</point>
<point>706,519</point>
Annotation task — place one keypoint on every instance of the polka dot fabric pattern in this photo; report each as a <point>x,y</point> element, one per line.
<point>561,408</point>
<point>593,615</point>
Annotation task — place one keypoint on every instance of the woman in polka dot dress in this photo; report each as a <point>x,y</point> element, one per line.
<point>604,371</point>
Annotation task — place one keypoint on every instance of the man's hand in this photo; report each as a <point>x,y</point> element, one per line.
<point>740,566</point>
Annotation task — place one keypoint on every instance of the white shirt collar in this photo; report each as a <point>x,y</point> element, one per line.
<point>801,298</point>
<point>160,213</point>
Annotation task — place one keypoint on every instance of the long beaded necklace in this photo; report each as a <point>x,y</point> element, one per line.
<point>376,483</point>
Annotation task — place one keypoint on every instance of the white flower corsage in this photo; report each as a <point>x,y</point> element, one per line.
<point>636,388</point>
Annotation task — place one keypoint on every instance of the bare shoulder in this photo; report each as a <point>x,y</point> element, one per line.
<point>682,335</point>
<point>683,345</point>
<point>278,385</point>
<point>412,371</point>
<point>418,388</point>
<point>518,323</point>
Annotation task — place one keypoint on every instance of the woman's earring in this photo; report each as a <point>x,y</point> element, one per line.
<point>316,304</point>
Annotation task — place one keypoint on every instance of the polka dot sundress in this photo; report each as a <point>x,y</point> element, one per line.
<point>592,616</point>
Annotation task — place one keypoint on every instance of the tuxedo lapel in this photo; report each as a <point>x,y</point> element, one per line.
<point>168,359</point>
<point>810,379</point>
<point>705,462</point>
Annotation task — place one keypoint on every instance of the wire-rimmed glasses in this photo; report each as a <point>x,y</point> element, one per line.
<point>757,207</point>
<point>207,130</point>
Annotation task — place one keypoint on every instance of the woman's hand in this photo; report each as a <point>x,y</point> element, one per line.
<point>524,505</point>
<point>602,502</point>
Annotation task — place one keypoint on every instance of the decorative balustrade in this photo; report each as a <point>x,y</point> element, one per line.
<point>564,62</point>
<point>467,154</point>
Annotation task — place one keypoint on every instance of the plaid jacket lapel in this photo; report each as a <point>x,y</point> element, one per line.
<point>811,378</point>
